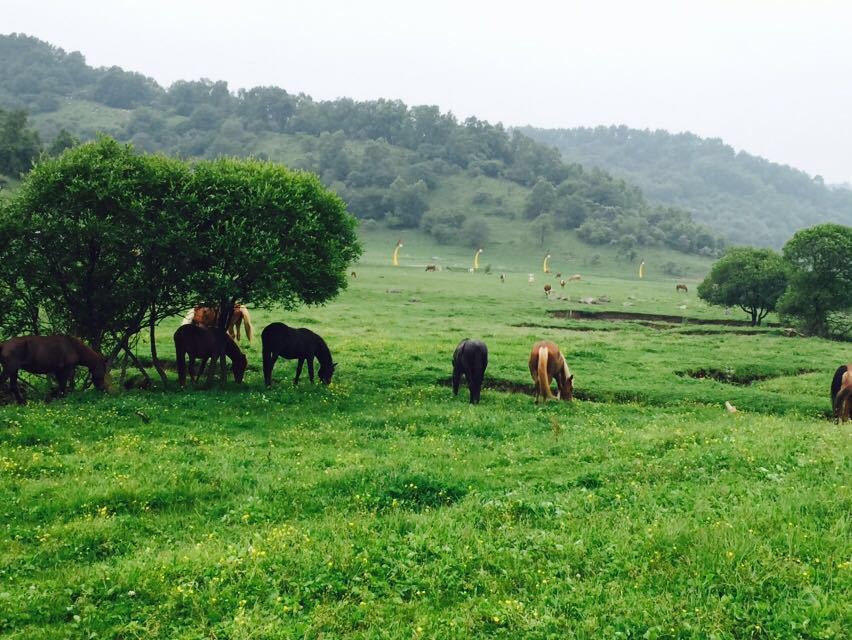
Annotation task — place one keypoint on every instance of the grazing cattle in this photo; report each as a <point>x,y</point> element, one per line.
<point>353,275</point>
<point>841,393</point>
<point>681,287</point>
<point>547,289</point>
<point>502,277</point>
<point>209,317</point>
<point>576,276</point>
<point>207,343</point>
<point>279,340</point>
<point>431,267</point>
<point>470,360</point>
<point>546,363</point>
<point>58,355</point>
<point>562,283</point>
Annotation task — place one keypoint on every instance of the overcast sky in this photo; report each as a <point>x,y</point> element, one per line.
<point>772,77</point>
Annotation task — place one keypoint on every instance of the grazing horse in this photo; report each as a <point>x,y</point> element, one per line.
<point>209,317</point>
<point>58,355</point>
<point>562,283</point>
<point>431,267</point>
<point>681,287</point>
<point>547,363</point>
<point>280,340</point>
<point>502,278</point>
<point>576,276</point>
<point>547,290</point>
<point>841,393</point>
<point>207,343</point>
<point>470,359</point>
<point>353,275</point>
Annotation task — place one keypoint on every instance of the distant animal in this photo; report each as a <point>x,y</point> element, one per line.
<point>681,287</point>
<point>530,278</point>
<point>558,275</point>
<point>279,340</point>
<point>209,317</point>
<point>470,360</point>
<point>353,275</point>
<point>547,289</point>
<point>431,267</point>
<point>502,277</point>
<point>547,363</point>
<point>841,393</point>
<point>59,355</point>
<point>731,408</point>
<point>576,276</point>
<point>207,343</point>
<point>562,283</point>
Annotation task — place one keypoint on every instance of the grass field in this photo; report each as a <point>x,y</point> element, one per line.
<point>383,507</point>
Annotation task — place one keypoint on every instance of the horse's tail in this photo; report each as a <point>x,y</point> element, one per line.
<point>843,404</point>
<point>247,322</point>
<point>543,382</point>
<point>189,317</point>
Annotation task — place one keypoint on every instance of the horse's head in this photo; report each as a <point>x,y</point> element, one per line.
<point>326,372</point>
<point>99,373</point>
<point>239,364</point>
<point>567,390</point>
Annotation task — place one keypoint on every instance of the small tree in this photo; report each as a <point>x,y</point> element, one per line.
<point>820,259</point>
<point>752,279</point>
<point>475,232</point>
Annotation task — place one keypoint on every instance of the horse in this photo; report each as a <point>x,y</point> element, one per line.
<point>205,343</point>
<point>562,283</point>
<point>58,355</point>
<point>841,393</point>
<point>280,340</point>
<point>547,289</point>
<point>546,363</point>
<point>575,277</point>
<point>431,267</point>
<point>353,275</point>
<point>681,287</point>
<point>502,278</point>
<point>209,317</point>
<point>470,359</point>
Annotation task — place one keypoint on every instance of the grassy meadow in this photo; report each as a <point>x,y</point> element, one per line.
<point>383,507</point>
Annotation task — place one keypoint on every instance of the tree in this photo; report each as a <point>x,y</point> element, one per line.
<point>821,275</point>
<point>19,146</point>
<point>542,227</point>
<point>540,199</point>
<point>475,232</point>
<point>63,140</point>
<point>752,279</point>
<point>408,202</point>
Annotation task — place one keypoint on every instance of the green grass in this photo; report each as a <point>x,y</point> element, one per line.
<point>382,507</point>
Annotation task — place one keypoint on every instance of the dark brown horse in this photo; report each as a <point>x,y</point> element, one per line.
<point>681,287</point>
<point>209,317</point>
<point>547,363</point>
<point>279,340</point>
<point>58,355</point>
<point>470,360</point>
<point>841,393</point>
<point>207,343</point>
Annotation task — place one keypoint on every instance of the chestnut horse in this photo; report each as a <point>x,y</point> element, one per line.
<point>206,343</point>
<point>681,287</point>
<point>58,355</point>
<point>209,317</point>
<point>841,393</point>
<point>547,363</point>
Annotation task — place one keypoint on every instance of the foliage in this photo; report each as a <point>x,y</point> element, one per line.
<point>752,279</point>
<point>475,232</point>
<point>745,198</point>
<point>19,146</point>
<point>820,258</point>
<point>63,140</point>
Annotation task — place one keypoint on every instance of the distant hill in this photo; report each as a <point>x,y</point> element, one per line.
<point>398,166</point>
<point>747,198</point>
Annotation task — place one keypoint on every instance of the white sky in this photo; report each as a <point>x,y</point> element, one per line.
<point>772,77</point>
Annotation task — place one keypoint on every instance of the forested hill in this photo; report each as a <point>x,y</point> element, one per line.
<point>400,166</point>
<point>747,198</point>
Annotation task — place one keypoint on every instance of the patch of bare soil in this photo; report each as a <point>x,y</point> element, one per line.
<point>616,316</point>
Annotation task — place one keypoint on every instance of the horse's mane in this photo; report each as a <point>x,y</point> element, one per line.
<point>323,353</point>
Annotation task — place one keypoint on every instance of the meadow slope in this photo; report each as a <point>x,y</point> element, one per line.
<point>383,507</point>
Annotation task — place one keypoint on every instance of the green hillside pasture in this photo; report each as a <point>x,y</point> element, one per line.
<point>382,507</point>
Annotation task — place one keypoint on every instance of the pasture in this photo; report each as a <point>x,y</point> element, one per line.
<point>382,507</point>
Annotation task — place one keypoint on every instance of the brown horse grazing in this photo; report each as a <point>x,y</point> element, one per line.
<point>209,317</point>
<point>353,275</point>
<point>547,289</point>
<point>841,393</point>
<point>206,343</point>
<point>681,287</point>
<point>547,363</point>
<point>58,355</point>
<point>431,267</point>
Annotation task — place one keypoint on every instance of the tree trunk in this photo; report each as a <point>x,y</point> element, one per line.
<point>152,325</point>
<point>137,364</point>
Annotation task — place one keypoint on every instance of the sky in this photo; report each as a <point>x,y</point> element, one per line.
<point>771,77</point>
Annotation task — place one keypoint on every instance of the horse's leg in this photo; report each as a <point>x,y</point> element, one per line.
<point>456,378</point>
<point>298,370</point>
<point>62,378</point>
<point>223,367</point>
<point>13,383</point>
<point>269,359</point>
<point>311,369</point>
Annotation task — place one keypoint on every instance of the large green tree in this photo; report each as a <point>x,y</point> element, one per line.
<point>19,145</point>
<point>751,279</point>
<point>820,259</point>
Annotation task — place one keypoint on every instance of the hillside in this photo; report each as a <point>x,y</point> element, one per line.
<point>400,167</point>
<point>744,197</point>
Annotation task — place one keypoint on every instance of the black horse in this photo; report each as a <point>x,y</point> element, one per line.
<point>470,359</point>
<point>280,340</point>
<point>841,392</point>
